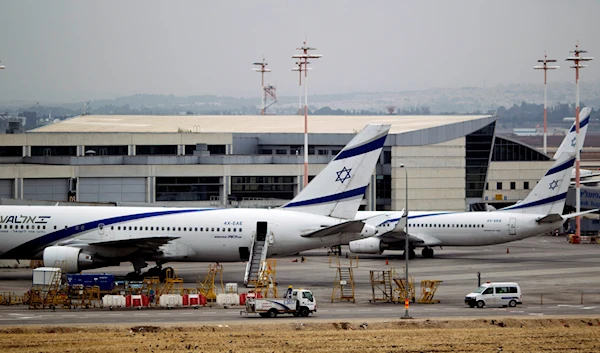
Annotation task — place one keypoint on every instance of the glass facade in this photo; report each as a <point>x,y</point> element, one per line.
<point>478,148</point>
<point>54,150</point>
<point>146,150</point>
<point>277,187</point>
<point>509,151</point>
<point>107,150</point>
<point>187,188</point>
<point>11,151</point>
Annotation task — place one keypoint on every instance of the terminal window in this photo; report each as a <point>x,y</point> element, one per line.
<point>252,187</point>
<point>187,188</point>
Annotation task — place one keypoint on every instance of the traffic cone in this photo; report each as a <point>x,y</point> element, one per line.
<point>507,251</point>
<point>386,261</point>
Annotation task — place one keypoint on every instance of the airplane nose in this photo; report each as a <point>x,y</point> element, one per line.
<point>368,231</point>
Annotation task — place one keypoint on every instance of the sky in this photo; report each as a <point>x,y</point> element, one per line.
<point>66,51</point>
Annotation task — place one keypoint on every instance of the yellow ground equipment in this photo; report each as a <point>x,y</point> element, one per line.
<point>8,298</point>
<point>403,290</point>
<point>428,288</point>
<point>208,287</point>
<point>266,279</point>
<point>343,285</point>
<point>381,283</point>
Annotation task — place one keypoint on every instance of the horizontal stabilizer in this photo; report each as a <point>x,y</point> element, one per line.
<point>551,218</point>
<point>346,227</point>
<point>571,215</point>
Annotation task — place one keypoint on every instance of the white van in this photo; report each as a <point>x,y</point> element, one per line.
<point>495,294</point>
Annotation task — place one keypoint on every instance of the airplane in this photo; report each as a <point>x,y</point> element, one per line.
<point>539,213</point>
<point>88,237</point>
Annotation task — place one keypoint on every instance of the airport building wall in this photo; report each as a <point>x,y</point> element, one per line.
<point>446,158</point>
<point>436,176</point>
<point>512,181</point>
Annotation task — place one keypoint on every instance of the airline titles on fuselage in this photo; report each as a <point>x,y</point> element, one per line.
<point>24,219</point>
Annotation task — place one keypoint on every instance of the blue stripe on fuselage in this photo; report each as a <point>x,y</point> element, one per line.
<point>30,248</point>
<point>331,198</point>
<point>362,149</point>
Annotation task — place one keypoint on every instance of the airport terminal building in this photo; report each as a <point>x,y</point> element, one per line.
<point>451,162</point>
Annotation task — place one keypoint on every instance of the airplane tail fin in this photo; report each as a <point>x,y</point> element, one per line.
<point>550,193</point>
<point>338,189</point>
<point>584,119</point>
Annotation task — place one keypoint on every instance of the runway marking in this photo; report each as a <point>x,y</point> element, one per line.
<point>386,309</point>
<point>92,315</point>
<point>115,314</point>
<point>209,312</point>
<point>69,315</point>
<point>342,309</point>
<point>140,314</point>
<point>186,313</point>
<point>367,310</point>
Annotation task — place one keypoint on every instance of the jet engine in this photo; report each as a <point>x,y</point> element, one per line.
<point>70,259</point>
<point>372,245</point>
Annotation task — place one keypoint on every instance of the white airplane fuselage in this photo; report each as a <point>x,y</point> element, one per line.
<point>206,235</point>
<point>467,228</point>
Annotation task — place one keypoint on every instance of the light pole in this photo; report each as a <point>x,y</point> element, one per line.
<point>406,246</point>
<point>576,59</point>
<point>545,67</point>
<point>262,69</point>
<point>304,61</point>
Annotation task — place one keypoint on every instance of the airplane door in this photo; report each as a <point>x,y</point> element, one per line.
<point>261,231</point>
<point>512,226</point>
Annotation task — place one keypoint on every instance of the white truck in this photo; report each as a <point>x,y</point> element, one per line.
<point>301,303</point>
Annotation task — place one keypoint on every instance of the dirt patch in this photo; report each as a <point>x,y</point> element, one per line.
<point>315,336</point>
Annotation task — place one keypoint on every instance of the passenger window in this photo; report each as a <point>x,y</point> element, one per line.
<point>195,229</point>
<point>134,228</point>
<point>212,229</point>
<point>146,228</point>
<point>218,229</point>
<point>229,229</point>
<point>234,229</point>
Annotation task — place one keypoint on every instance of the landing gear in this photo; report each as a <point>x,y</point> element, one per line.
<point>427,252</point>
<point>411,254</point>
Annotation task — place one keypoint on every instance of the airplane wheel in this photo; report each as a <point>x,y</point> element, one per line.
<point>411,254</point>
<point>427,253</point>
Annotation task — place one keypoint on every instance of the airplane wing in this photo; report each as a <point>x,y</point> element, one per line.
<point>421,240</point>
<point>143,243</point>
<point>348,227</point>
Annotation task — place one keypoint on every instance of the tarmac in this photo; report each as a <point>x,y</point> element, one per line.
<point>556,278</point>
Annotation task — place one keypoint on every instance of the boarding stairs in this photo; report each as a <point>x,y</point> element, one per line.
<point>258,256</point>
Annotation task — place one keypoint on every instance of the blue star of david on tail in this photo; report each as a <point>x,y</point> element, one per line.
<point>553,184</point>
<point>341,177</point>
<point>574,141</point>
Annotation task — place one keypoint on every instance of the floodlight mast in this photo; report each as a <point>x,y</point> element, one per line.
<point>576,59</point>
<point>304,62</point>
<point>545,67</point>
<point>300,69</point>
<point>262,71</point>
